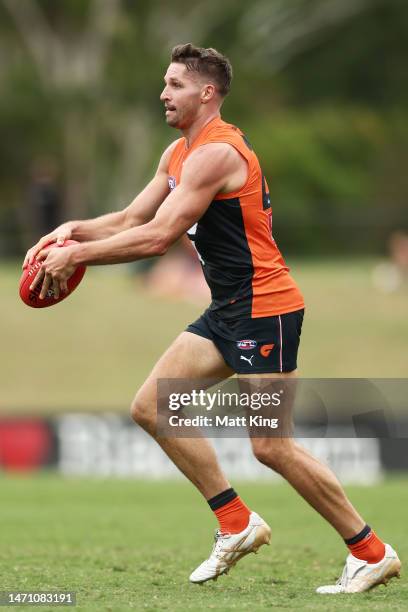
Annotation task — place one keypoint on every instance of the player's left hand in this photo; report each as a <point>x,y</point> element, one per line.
<point>55,271</point>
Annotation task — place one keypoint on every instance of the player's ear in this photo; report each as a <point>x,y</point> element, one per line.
<point>207,93</point>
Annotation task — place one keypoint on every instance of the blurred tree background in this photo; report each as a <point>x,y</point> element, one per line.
<point>320,89</point>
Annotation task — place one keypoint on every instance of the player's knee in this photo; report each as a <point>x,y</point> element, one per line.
<point>275,456</point>
<point>142,413</point>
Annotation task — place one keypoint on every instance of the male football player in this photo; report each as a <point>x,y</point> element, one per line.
<point>209,184</point>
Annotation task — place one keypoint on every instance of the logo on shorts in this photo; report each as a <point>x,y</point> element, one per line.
<point>248,360</point>
<point>172,182</point>
<point>246,345</point>
<point>266,349</point>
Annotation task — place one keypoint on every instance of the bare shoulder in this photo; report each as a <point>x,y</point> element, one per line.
<point>217,163</point>
<point>221,151</point>
<point>165,158</point>
<point>215,156</point>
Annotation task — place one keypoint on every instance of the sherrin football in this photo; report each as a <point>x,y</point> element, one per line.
<point>31,298</point>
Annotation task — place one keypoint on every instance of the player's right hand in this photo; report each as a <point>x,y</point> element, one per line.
<point>59,235</point>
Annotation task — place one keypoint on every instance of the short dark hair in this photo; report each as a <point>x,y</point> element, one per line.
<point>208,62</point>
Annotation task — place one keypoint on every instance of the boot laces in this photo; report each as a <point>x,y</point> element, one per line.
<point>342,581</point>
<point>219,542</point>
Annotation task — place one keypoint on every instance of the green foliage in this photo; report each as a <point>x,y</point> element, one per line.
<point>360,60</point>
<point>325,168</point>
<point>319,88</point>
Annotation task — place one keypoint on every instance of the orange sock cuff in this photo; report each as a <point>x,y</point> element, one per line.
<point>370,548</point>
<point>233,516</point>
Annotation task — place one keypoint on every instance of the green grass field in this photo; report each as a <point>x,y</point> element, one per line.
<point>106,337</point>
<point>131,545</point>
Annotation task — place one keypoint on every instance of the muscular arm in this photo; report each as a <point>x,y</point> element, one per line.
<point>209,170</point>
<point>205,173</point>
<point>140,211</point>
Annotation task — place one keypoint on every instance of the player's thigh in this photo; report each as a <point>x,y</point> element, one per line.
<point>278,447</point>
<point>190,356</point>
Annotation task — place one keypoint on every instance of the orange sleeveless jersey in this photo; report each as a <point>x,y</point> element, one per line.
<point>242,264</point>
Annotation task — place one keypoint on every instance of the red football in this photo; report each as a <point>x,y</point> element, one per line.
<point>31,298</point>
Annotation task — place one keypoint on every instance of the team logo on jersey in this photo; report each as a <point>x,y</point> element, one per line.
<point>266,349</point>
<point>246,345</point>
<point>172,182</point>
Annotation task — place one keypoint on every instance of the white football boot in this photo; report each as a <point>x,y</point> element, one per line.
<point>359,576</point>
<point>230,548</point>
